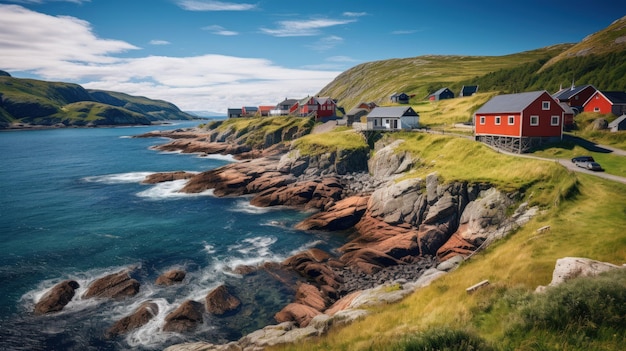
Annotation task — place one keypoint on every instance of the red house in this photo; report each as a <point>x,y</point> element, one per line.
<point>319,107</point>
<point>607,102</point>
<point>519,122</point>
<point>574,97</point>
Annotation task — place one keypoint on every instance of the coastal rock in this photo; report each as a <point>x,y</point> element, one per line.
<point>313,265</point>
<point>298,313</point>
<point>167,177</point>
<point>185,318</point>
<point>388,162</point>
<point>341,215</point>
<point>56,298</point>
<point>171,277</point>
<point>142,315</point>
<point>573,267</point>
<point>116,286</point>
<point>309,295</point>
<point>220,301</point>
<point>312,194</point>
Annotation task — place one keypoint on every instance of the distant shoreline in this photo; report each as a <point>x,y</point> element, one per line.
<point>27,126</point>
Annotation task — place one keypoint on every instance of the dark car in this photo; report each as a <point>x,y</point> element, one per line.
<point>581,159</point>
<point>594,166</point>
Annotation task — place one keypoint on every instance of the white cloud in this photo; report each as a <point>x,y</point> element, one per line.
<point>341,59</point>
<point>219,30</point>
<point>209,5</point>
<point>159,42</point>
<point>355,14</point>
<point>300,28</point>
<point>65,49</point>
<point>404,32</point>
<point>326,43</point>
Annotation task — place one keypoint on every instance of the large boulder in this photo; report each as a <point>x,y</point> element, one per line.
<point>185,318</point>
<point>220,301</point>
<point>309,295</point>
<point>573,267</point>
<point>141,316</point>
<point>298,313</point>
<point>341,215</point>
<point>171,277</point>
<point>117,285</point>
<point>56,298</point>
<point>388,162</point>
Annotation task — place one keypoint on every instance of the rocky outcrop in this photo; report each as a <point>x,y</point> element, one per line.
<point>167,177</point>
<point>341,215</point>
<point>339,162</point>
<point>185,318</point>
<point>387,162</point>
<point>573,267</point>
<point>141,316</point>
<point>220,301</point>
<point>308,194</point>
<point>118,285</point>
<point>171,277</point>
<point>57,297</point>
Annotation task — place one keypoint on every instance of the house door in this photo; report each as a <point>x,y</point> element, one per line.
<point>395,124</point>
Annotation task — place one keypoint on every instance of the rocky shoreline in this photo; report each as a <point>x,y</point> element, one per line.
<point>401,233</point>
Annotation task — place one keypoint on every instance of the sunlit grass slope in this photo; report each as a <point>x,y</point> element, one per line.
<point>586,216</point>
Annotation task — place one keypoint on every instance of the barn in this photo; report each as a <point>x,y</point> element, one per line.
<point>519,122</point>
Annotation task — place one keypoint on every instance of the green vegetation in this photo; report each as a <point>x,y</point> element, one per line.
<point>49,103</point>
<point>339,139</point>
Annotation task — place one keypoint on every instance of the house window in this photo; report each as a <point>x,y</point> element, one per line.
<point>497,120</point>
<point>375,122</point>
<point>534,120</point>
<point>554,121</point>
<point>545,105</point>
<point>596,109</point>
<point>482,119</point>
<point>511,120</point>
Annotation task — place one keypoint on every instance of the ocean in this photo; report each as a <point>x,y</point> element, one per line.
<point>72,206</point>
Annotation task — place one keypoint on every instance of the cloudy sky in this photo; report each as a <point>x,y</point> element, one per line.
<point>206,55</point>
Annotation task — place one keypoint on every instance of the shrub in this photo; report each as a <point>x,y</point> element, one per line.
<point>445,339</point>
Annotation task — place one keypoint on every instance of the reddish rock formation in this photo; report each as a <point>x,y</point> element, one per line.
<point>185,318</point>
<point>142,315</point>
<point>310,295</point>
<point>343,214</point>
<point>313,264</point>
<point>220,301</point>
<point>312,194</point>
<point>117,285</point>
<point>57,297</point>
<point>167,177</point>
<point>298,313</point>
<point>171,277</point>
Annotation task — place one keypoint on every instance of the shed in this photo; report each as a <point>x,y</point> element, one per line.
<point>392,118</point>
<point>519,122</point>
<point>233,113</point>
<point>618,124</point>
<point>400,98</point>
<point>468,90</point>
<point>441,94</point>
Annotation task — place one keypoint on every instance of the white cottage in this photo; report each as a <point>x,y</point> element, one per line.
<point>392,118</point>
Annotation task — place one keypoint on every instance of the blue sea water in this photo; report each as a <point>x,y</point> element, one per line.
<point>72,206</point>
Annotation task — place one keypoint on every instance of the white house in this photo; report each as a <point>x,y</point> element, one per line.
<point>392,118</point>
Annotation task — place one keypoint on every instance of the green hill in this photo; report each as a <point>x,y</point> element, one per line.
<point>36,102</point>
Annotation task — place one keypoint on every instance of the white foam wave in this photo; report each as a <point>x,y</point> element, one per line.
<point>243,205</point>
<point>208,248</point>
<point>229,157</point>
<point>119,178</point>
<point>170,190</point>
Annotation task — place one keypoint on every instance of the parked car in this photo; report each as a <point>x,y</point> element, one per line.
<point>587,162</point>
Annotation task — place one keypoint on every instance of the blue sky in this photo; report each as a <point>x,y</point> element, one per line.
<point>206,55</point>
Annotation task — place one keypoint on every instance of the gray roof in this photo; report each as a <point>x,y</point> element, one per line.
<point>389,111</point>
<point>567,108</point>
<point>567,93</point>
<point>617,121</point>
<point>510,102</point>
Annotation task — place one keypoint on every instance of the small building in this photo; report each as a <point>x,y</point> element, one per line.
<point>607,102</point>
<point>519,122</point>
<point>400,98</point>
<point>575,97</point>
<point>320,107</point>
<point>392,118</point>
<point>360,110</point>
<point>283,107</point>
<point>249,111</point>
<point>233,113</point>
<point>618,124</point>
<point>468,90</point>
<point>441,94</point>
<point>264,111</point>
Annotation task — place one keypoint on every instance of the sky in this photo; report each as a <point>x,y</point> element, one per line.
<point>206,55</point>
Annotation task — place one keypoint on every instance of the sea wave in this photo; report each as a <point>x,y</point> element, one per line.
<point>118,178</point>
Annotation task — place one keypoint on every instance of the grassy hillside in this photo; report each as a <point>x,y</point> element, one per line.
<point>421,76</point>
<point>586,218</point>
<point>47,103</point>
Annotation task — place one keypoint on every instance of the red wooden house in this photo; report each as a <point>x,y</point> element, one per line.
<point>607,102</point>
<point>518,122</point>
<point>319,107</point>
<point>574,97</point>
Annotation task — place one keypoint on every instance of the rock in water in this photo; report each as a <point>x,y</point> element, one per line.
<point>220,301</point>
<point>116,286</point>
<point>171,277</point>
<point>57,297</point>
<point>142,315</point>
<point>185,318</point>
